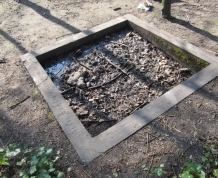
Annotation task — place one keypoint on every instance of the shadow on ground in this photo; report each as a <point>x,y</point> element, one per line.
<point>12,40</point>
<point>186,24</point>
<point>46,14</point>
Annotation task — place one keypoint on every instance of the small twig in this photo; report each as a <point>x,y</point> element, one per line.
<point>147,143</point>
<point>105,83</point>
<point>113,120</point>
<point>199,105</point>
<point>97,86</point>
<point>80,91</point>
<point>15,105</point>
<point>158,67</point>
<point>87,174</point>
<point>74,58</point>
<point>150,166</point>
<point>176,129</point>
<point>152,134</point>
<point>139,107</point>
<point>65,91</point>
<point>109,61</point>
<point>187,17</point>
<point>160,154</point>
<point>170,127</point>
<point>58,72</point>
<point>58,133</point>
<point>173,170</point>
<point>119,43</point>
<point>85,122</point>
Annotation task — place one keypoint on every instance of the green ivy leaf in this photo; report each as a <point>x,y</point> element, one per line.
<point>144,168</point>
<point>49,151</point>
<point>60,174</point>
<point>69,169</point>
<point>34,160</point>
<point>136,172</point>
<point>215,173</point>
<point>10,154</point>
<point>43,174</point>
<point>186,174</point>
<point>23,174</point>
<point>58,152</point>
<point>20,163</point>
<point>158,171</point>
<point>115,174</point>
<point>28,150</point>
<point>193,167</point>
<point>51,170</point>
<point>41,151</point>
<point>56,158</point>
<point>3,160</point>
<point>13,145</point>
<point>204,158</point>
<point>202,175</point>
<point>32,169</point>
<point>2,149</point>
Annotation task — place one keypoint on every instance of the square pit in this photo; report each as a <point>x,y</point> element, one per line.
<point>88,148</point>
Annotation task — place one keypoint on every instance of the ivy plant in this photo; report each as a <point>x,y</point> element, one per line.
<point>32,162</point>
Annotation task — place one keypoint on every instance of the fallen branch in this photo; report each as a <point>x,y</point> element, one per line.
<point>97,86</point>
<point>105,83</point>
<point>141,105</point>
<point>65,91</point>
<point>74,58</point>
<point>109,61</point>
<point>157,137</point>
<point>15,105</point>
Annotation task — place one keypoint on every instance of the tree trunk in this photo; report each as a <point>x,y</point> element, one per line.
<point>166,11</point>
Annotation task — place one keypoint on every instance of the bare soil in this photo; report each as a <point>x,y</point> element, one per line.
<point>25,117</point>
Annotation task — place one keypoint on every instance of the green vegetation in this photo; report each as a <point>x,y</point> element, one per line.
<point>184,57</point>
<point>193,62</point>
<point>31,163</point>
<point>158,171</point>
<point>206,168</point>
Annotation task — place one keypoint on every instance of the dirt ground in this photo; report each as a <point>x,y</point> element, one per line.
<point>30,25</point>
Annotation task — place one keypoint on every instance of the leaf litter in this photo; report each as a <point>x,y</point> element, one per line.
<point>107,80</point>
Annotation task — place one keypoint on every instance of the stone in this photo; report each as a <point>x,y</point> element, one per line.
<point>75,76</point>
<point>80,83</point>
<point>167,71</point>
<point>184,70</point>
<point>82,111</point>
<point>88,84</point>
